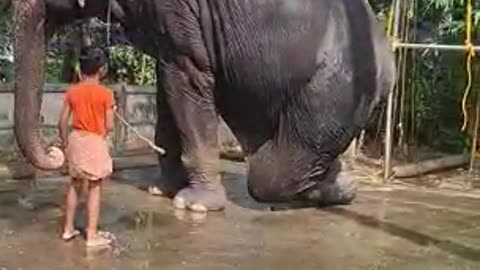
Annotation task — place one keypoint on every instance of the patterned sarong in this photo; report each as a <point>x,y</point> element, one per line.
<point>88,156</point>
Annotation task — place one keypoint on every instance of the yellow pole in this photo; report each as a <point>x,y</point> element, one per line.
<point>390,100</point>
<point>470,55</point>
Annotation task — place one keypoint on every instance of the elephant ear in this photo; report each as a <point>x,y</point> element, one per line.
<point>81,3</point>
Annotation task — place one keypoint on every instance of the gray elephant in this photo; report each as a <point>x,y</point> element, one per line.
<point>295,80</point>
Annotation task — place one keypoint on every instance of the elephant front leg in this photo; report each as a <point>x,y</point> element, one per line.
<point>190,97</point>
<point>174,177</point>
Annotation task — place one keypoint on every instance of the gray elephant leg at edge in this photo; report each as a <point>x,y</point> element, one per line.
<point>197,120</point>
<point>167,135</point>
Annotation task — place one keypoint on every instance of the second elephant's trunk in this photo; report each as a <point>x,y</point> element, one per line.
<point>29,48</point>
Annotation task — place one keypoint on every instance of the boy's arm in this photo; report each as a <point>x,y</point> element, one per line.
<point>63,123</point>
<point>109,119</point>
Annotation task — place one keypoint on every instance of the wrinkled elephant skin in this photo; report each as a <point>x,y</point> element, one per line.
<point>295,80</point>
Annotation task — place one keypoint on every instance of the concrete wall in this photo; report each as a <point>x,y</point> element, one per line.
<point>136,103</point>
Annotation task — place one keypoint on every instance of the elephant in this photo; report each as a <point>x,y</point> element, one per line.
<point>294,80</point>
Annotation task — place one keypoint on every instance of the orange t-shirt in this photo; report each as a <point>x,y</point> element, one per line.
<point>89,103</point>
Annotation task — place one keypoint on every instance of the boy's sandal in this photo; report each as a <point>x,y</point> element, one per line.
<point>69,236</point>
<point>154,191</point>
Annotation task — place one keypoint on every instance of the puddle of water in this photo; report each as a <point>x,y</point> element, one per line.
<point>388,231</point>
<point>141,220</point>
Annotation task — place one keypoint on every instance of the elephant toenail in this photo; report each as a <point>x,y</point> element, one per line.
<point>179,203</point>
<point>198,208</point>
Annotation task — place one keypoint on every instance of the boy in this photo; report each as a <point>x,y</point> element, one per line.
<point>89,163</point>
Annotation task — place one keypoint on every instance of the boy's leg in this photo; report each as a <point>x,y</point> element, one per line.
<point>93,213</point>
<point>70,208</point>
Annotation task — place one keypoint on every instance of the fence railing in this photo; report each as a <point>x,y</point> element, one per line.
<point>137,104</point>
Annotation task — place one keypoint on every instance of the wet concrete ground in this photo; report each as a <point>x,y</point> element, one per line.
<point>388,227</point>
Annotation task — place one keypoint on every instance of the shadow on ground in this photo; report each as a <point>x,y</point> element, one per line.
<point>418,238</point>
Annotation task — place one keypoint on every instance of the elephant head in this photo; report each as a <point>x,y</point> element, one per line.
<point>35,21</point>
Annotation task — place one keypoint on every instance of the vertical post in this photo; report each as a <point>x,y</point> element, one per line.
<point>474,136</point>
<point>116,124</point>
<point>119,133</point>
<point>470,58</point>
<point>389,116</point>
<point>473,149</point>
<point>388,137</point>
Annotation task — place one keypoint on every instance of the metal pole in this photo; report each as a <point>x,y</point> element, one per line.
<point>473,150</point>
<point>474,141</point>
<point>434,46</point>
<point>389,116</point>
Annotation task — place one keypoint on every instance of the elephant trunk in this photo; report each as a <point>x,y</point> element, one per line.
<point>29,48</point>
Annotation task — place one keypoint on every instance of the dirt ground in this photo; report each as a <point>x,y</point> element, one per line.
<point>388,227</point>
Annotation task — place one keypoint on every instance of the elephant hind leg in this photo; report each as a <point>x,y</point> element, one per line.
<point>338,187</point>
<point>301,162</point>
<point>278,176</point>
<point>191,103</point>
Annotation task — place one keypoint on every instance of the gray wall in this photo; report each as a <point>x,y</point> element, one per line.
<point>136,103</point>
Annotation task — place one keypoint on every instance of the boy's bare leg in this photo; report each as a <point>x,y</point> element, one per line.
<point>84,190</point>
<point>70,207</point>
<point>93,213</point>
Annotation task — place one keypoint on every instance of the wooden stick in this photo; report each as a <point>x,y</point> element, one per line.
<point>420,168</point>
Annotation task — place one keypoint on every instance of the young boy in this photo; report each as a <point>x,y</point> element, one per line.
<point>89,163</point>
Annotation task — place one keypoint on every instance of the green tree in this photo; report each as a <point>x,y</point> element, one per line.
<point>6,54</point>
<point>432,84</point>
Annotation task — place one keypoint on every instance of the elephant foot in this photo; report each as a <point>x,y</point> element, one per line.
<point>200,199</point>
<point>163,190</point>
<point>167,186</point>
<point>341,191</point>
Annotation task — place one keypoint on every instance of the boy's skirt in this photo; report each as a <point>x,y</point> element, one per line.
<point>88,156</point>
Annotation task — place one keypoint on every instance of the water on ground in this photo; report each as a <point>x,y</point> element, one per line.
<point>387,227</point>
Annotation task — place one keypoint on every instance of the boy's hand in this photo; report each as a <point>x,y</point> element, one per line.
<point>64,145</point>
<point>63,125</point>
<point>60,145</point>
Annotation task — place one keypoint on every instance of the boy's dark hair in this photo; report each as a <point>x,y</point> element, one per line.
<point>91,60</point>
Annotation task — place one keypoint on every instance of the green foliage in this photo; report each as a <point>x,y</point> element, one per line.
<point>6,67</point>
<point>141,66</point>
<point>53,70</point>
<point>441,77</point>
<point>435,80</point>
